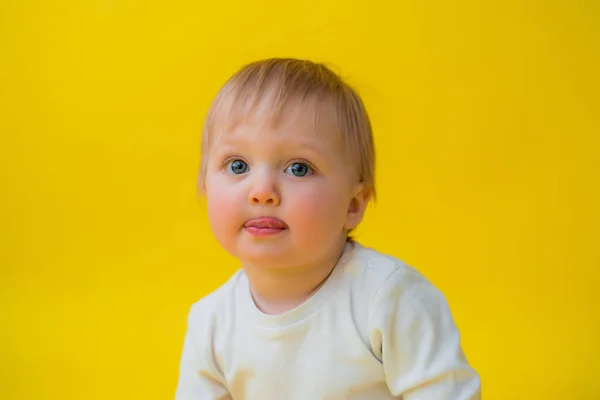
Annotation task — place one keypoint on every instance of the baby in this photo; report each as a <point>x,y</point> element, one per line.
<point>287,171</point>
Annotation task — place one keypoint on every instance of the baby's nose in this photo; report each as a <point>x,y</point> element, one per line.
<point>264,192</point>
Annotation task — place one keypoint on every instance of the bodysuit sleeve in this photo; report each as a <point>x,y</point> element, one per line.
<point>199,375</point>
<point>413,333</point>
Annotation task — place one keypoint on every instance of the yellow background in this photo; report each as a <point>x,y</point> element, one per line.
<point>486,116</point>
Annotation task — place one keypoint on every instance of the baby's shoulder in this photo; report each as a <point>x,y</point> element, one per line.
<point>373,267</point>
<point>373,271</point>
<point>213,309</point>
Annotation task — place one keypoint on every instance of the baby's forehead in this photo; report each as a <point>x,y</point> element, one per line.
<point>302,121</point>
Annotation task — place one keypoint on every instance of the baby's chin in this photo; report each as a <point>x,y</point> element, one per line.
<point>268,261</point>
<point>269,255</point>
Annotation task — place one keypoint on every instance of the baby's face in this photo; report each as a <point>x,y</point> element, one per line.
<point>278,196</point>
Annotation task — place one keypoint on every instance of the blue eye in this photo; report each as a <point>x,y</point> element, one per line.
<point>299,169</point>
<point>237,167</point>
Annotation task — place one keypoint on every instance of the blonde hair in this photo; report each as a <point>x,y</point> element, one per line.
<point>279,81</point>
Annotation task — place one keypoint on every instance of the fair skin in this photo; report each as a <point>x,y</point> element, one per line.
<point>281,198</point>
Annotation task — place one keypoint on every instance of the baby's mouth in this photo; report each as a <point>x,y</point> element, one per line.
<point>265,226</point>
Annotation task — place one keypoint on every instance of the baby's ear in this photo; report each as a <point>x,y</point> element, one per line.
<point>357,207</point>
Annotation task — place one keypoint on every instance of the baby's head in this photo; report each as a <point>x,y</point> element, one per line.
<point>288,163</point>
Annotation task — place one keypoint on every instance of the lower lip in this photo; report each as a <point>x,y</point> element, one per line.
<point>254,231</point>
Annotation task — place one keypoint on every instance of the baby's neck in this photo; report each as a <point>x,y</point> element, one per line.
<point>276,291</point>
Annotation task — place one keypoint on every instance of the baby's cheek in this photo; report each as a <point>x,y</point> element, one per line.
<point>317,210</point>
<point>222,208</point>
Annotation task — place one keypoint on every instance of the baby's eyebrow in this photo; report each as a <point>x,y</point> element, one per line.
<point>235,142</point>
<point>320,153</point>
<point>307,145</point>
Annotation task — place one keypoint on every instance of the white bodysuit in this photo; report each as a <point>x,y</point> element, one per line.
<point>376,329</point>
